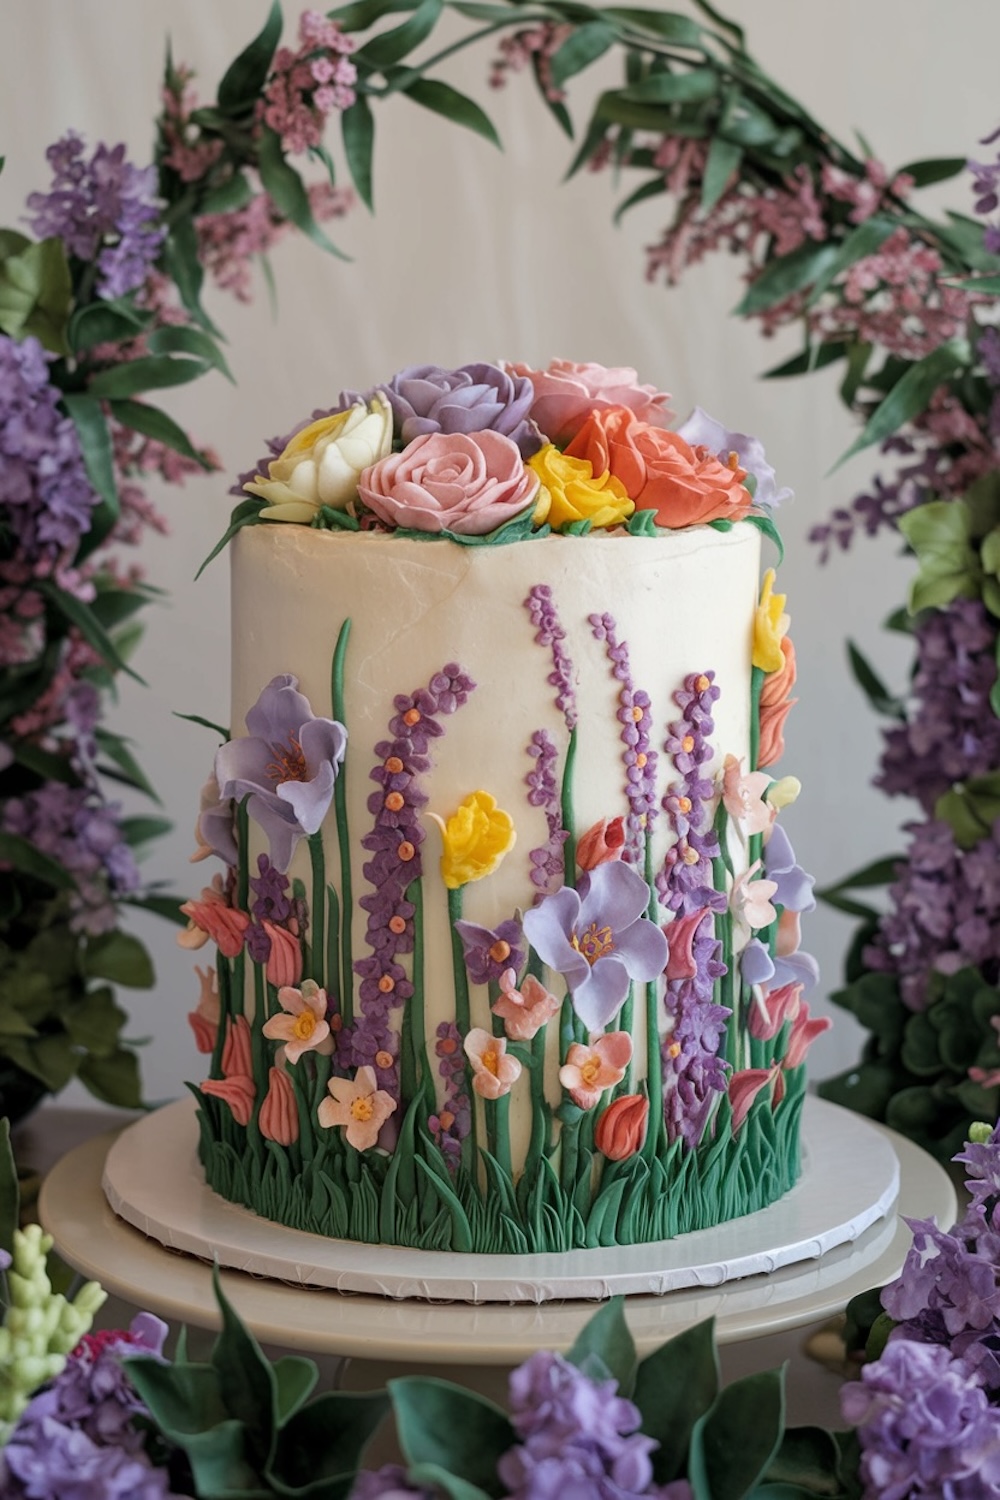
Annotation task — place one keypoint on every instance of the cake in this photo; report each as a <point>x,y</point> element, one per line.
<point>507,922</point>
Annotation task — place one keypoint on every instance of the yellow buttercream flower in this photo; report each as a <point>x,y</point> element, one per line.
<point>769,626</point>
<point>784,792</point>
<point>476,837</point>
<point>321,464</point>
<point>571,492</point>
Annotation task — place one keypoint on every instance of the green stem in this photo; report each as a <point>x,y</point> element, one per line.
<point>225,974</point>
<point>566,802</point>
<point>498,1138</point>
<point>463,1019</point>
<point>757,676</point>
<point>238,991</point>
<point>332,938</point>
<point>318,862</point>
<point>343,838</point>
<point>414,1067</point>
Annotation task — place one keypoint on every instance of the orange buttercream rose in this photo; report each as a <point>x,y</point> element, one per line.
<point>685,486</point>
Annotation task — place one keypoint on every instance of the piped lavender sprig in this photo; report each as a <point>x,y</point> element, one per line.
<point>639,757</point>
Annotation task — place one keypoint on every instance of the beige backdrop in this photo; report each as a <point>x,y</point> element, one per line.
<point>476,254</point>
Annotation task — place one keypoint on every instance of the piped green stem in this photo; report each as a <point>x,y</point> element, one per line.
<point>343,835</point>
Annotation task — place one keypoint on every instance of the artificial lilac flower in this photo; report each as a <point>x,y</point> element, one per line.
<point>287,765</point>
<point>473,398</point>
<point>703,431</point>
<point>794,891</point>
<point>599,938</point>
<point>489,953</point>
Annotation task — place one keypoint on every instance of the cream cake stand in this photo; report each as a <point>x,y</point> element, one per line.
<point>177,1285</point>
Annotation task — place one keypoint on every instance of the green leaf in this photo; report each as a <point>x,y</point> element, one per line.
<point>45,763</point>
<point>971,808</point>
<point>114,1079</point>
<point>142,830</point>
<point>865,239</point>
<point>813,357</point>
<point>995,690</point>
<point>95,445</point>
<point>288,191</point>
<point>96,1023</point>
<point>723,163</point>
<point>584,45</point>
<point>152,372</point>
<point>858,355</point>
<point>295,1380</point>
<point>934,169</point>
<point>120,957</point>
<point>247,1383</point>
<point>36,293</point>
<point>230,196</point>
<point>782,277</point>
<point>911,393</point>
<point>10,1194</point>
<point>361,14</point>
<point>168,907</point>
<point>734,1443</point>
<point>180,257</point>
<point>768,527</point>
<point>218,729</point>
<point>879,872</point>
<point>805,1464</point>
<point>244,78</point>
<point>674,1387</point>
<point>245,513</point>
<point>392,46</point>
<point>182,1398</point>
<point>939,534</point>
<point>605,1337</point>
<point>24,857</point>
<point>673,88</point>
<point>82,616</point>
<point>654,187</point>
<point>357,124</point>
<point>874,689</point>
<point>325,1439</point>
<point>463,1433</point>
<point>679,31</point>
<point>181,339</point>
<point>105,323</point>
<point>139,416</point>
<point>446,101</point>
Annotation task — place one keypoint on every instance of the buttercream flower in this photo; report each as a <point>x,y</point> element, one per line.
<point>680,935</point>
<point>213,917</point>
<point>571,491</point>
<point>794,888</point>
<point>775,702</point>
<point>750,900</point>
<point>236,1049</point>
<point>303,1027</point>
<point>783,793</point>
<point>238,1092</point>
<point>284,962</point>
<point>589,1070</point>
<point>466,483</point>
<point>770,624</point>
<point>621,1129</point>
<point>493,1072</point>
<point>358,1106</point>
<point>204,1019</point>
<point>213,829</point>
<point>287,764</point>
<point>744,1086</point>
<point>660,471</point>
<point>805,1030</point>
<point>474,398</point>
<point>604,841</point>
<point>772,1009</point>
<point>599,938</point>
<point>526,1010</point>
<point>743,796</point>
<point>476,837</point>
<point>567,393</point>
<point>279,1115</point>
<point>489,952</point>
<point>703,431</point>
<point>321,464</point>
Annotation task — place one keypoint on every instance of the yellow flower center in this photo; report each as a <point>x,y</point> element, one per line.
<point>289,763</point>
<point>595,943</point>
<point>499,951</point>
<point>590,1070</point>
<point>636,715</point>
<point>701,684</point>
<point>304,1026</point>
<point>490,1060</point>
<point>687,743</point>
<point>640,760</point>
<point>674,1050</point>
<point>684,804</point>
<point>690,856</point>
<point>362,1109</point>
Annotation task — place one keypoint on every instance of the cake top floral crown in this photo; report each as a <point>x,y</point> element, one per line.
<point>502,452</point>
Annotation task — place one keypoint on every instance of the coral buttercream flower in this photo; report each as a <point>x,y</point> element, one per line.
<point>805,1030</point>
<point>743,796</point>
<point>526,1010</point>
<point>601,843</point>
<point>466,483</point>
<point>321,464</point>
<point>284,962</point>
<point>358,1106</point>
<point>476,837</point>
<point>744,1087</point>
<point>239,1092</point>
<point>599,938</point>
<point>770,625</point>
<point>286,764</point>
<point>236,1054</point>
<point>589,1071</point>
<point>775,702</point>
<point>493,1072</point>
<point>660,471</point>
<point>567,393</point>
<point>771,1009</point>
<point>279,1115</point>
<point>490,952</point>
<point>680,935</point>
<point>571,491</point>
<point>204,1019</point>
<point>621,1129</point>
<point>213,917</point>
<point>304,1026</point>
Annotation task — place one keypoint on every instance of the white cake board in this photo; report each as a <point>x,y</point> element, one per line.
<point>153,1180</point>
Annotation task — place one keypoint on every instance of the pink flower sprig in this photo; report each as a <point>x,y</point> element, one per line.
<point>309,83</point>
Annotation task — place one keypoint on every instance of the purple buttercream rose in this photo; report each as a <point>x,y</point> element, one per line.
<point>474,398</point>
<point>703,431</point>
<point>287,765</point>
<point>599,938</point>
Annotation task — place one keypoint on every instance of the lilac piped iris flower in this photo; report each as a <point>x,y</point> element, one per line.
<point>287,765</point>
<point>758,967</point>
<point>598,938</point>
<point>703,431</point>
<point>490,952</point>
<point>795,887</point>
<point>474,398</point>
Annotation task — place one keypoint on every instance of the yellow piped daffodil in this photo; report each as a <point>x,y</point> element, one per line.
<point>572,492</point>
<point>476,837</point>
<point>321,464</point>
<point>769,626</point>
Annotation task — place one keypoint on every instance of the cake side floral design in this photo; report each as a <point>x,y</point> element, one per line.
<point>639,757</point>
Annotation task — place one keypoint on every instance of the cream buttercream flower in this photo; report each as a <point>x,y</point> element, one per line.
<point>358,1106</point>
<point>322,463</point>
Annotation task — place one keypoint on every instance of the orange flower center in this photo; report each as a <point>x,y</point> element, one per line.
<point>687,743</point>
<point>446,1119</point>
<point>289,763</point>
<point>412,716</point>
<point>490,1060</point>
<point>690,856</point>
<point>383,1059</point>
<point>674,1050</point>
<point>362,1109</point>
<point>447,1046</point>
<point>702,684</point>
<point>499,951</point>
<point>590,1070</point>
<point>636,715</point>
<point>397,925</point>
<point>640,760</point>
<point>406,851</point>
<point>596,942</point>
<point>684,804</point>
<point>387,984</point>
<point>304,1025</point>
<point>394,765</point>
<point>394,801</point>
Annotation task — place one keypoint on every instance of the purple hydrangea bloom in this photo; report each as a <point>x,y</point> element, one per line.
<point>599,938</point>
<point>104,209</point>
<point>287,765</point>
<point>473,398</point>
<point>703,431</point>
<point>489,953</point>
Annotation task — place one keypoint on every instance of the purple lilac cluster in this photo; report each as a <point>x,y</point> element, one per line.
<point>105,210</point>
<point>578,1437</point>
<point>945,911</point>
<point>84,835</point>
<point>639,757</point>
<point>394,844</point>
<point>693,1072</point>
<point>79,1436</point>
<point>547,862</point>
<point>452,1123</point>
<point>271,903</point>
<point>952,732</point>
<point>986,188</point>
<point>685,882</point>
<point>549,633</point>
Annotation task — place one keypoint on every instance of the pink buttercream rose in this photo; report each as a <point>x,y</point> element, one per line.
<point>468,483</point>
<point>566,394</point>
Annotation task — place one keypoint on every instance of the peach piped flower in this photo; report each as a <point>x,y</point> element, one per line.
<point>284,962</point>
<point>589,1071</point>
<point>601,843</point>
<point>239,1092</point>
<point>358,1106</point>
<point>743,796</point>
<point>236,1055</point>
<point>204,1019</point>
<point>279,1115</point>
<point>493,1072</point>
<point>526,1010</point>
<point>775,703</point>
<point>213,917</point>
<point>621,1129</point>
<point>303,1027</point>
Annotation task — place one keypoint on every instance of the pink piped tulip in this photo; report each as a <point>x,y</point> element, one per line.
<point>279,1115</point>
<point>238,1092</point>
<point>680,935</point>
<point>744,1087</point>
<point>605,841</point>
<point>805,1030</point>
<point>236,1054</point>
<point>775,1007</point>
<point>284,963</point>
<point>621,1129</point>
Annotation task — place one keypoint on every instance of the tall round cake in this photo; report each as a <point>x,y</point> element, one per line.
<point>508,949</point>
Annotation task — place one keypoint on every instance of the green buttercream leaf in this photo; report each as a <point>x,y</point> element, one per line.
<point>328,519</point>
<point>245,513</point>
<point>642,523</point>
<point>674,1387</point>
<point>463,1433</point>
<point>574,528</point>
<point>765,524</point>
<point>721,524</point>
<point>519,529</point>
<point>733,1445</point>
<point>606,1338</point>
